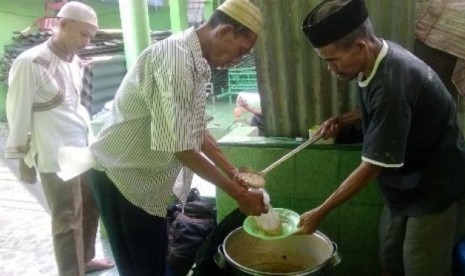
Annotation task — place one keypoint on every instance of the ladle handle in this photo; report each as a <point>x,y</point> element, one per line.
<point>291,153</point>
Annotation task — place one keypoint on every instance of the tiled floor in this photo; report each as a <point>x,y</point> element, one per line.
<point>25,240</point>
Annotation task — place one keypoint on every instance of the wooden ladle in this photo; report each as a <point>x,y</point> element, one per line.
<point>256,179</point>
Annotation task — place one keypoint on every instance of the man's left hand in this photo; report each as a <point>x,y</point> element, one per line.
<point>26,174</point>
<point>309,222</point>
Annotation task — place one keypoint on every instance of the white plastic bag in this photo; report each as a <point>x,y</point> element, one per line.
<point>74,161</point>
<point>270,221</point>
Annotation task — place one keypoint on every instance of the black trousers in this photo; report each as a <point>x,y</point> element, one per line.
<point>138,240</point>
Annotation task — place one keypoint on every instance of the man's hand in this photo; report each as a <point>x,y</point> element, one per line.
<point>334,125</point>
<point>351,186</point>
<point>243,104</point>
<point>251,203</point>
<point>26,174</point>
<point>235,177</point>
<point>309,222</point>
<point>330,128</point>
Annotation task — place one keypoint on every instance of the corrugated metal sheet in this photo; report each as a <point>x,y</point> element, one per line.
<point>296,89</point>
<point>461,110</point>
<point>102,77</point>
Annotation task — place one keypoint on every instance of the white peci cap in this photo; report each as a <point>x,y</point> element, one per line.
<point>80,12</point>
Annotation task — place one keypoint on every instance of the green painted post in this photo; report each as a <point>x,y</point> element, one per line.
<point>209,8</point>
<point>136,32</point>
<point>178,15</point>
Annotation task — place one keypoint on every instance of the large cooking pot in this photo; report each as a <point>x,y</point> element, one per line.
<point>244,254</point>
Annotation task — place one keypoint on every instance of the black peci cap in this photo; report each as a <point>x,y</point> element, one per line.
<point>336,25</point>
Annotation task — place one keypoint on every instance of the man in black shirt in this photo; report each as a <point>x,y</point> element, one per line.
<point>412,143</point>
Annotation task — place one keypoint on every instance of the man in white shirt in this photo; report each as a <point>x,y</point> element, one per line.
<point>156,132</point>
<point>44,113</point>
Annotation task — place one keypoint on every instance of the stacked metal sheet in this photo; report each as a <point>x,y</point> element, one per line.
<point>104,57</point>
<point>105,42</point>
<point>102,77</point>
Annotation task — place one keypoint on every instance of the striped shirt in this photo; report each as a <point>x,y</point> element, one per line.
<point>158,110</point>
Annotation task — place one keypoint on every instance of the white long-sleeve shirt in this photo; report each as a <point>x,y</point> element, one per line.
<point>44,100</point>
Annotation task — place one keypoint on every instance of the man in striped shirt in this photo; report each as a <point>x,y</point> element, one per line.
<point>156,136</point>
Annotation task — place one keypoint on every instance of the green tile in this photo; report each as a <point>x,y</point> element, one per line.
<point>356,265</point>
<point>239,156</point>
<point>264,157</point>
<point>329,225</point>
<point>316,174</point>
<point>348,162</point>
<point>370,195</point>
<point>297,205</point>
<point>358,228</point>
<point>224,204</point>
<point>280,202</point>
<point>281,180</point>
<point>285,202</point>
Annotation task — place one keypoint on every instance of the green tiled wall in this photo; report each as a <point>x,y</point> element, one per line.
<point>305,181</point>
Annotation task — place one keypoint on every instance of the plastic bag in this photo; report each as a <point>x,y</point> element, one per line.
<point>269,222</point>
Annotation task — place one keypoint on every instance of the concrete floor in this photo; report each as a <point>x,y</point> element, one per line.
<point>26,247</point>
<point>25,241</point>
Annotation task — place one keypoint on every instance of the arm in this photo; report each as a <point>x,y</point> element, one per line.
<point>250,203</point>
<point>212,150</point>
<point>23,83</point>
<point>332,126</point>
<point>356,181</point>
<point>247,107</point>
<point>177,130</point>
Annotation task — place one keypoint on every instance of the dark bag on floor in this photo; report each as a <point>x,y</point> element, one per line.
<point>187,231</point>
<point>204,261</point>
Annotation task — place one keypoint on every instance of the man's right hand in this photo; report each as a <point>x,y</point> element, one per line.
<point>243,104</point>
<point>251,202</point>
<point>330,128</point>
<point>26,174</point>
